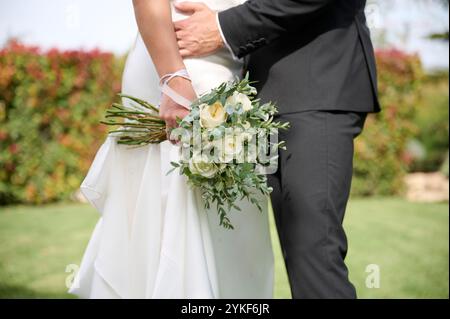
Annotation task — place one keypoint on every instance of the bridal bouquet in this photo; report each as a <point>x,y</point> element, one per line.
<point>228,142</point>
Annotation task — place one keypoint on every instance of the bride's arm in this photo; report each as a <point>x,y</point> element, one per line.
<point>154,21</point>
<point>155,25</point>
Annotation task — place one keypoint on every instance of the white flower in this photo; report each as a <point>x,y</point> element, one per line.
<point>212,116</point>
<point>230,147</point>
<point>237,98</point>
<point>201,165</point>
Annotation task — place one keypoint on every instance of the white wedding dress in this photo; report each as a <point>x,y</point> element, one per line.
<point>154,238</point>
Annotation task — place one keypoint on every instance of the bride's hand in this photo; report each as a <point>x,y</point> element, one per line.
<point>169,110</point>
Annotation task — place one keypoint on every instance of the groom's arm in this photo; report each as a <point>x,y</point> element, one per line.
<point>257,23</point>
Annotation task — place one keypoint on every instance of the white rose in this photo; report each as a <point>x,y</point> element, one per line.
<point>200,165</point>
<point>237,98</point>
<point>230,147</point>
<point>212,116</point>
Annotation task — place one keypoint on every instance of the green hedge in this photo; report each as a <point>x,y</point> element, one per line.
<point>51,102</point>
<point>381,159</point>
<point>50,105</point>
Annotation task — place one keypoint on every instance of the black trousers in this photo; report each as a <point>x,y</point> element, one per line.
<point>311,190</point>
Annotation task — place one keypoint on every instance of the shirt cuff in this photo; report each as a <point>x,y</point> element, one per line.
<point>225,40</point>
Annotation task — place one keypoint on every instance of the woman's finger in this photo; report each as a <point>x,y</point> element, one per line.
<point>171,124</point>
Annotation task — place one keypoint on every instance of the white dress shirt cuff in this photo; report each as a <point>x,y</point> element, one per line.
<point>225,40</point>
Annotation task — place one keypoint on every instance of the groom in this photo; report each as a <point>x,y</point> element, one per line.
<point>314,58</point>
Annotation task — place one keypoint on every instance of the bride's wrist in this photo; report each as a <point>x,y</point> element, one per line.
<point>178,87</point>
<point>179,82</point>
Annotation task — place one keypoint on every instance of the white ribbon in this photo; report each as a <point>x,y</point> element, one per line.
<point>165,89</point>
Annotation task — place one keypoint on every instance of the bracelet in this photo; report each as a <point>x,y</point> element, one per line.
<point>165,89</point>
<point>165,79</point>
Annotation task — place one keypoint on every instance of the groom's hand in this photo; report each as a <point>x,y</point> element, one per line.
<point>199,34</point>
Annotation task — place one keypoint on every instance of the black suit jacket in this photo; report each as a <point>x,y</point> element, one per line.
<point>306,54</point>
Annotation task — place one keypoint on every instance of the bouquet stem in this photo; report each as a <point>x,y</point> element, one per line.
<point>136,128</point>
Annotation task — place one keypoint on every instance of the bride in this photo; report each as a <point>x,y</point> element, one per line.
<point>154,239</point>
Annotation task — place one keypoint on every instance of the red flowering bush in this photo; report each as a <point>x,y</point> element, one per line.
<point>50,105</point>
<point>381,158</point>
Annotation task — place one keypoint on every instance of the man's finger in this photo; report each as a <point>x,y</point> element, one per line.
<point>185,53</point>
<point>181,45</point>
<point>179,35</point>
<point>189,7</point>
<point>180,24</point>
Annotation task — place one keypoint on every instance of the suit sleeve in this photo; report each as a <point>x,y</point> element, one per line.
<point>256,23</point>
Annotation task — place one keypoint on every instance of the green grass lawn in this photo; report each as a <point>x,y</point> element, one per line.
<point>409,243</point>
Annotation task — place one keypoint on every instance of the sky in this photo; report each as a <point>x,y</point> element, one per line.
<point>405,24</point>
<point>106,24</point>
<point>110,25</point>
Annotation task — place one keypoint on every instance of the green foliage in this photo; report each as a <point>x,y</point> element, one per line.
<point>50,105</point>
<point>432,122</point>
<point>381,161</point>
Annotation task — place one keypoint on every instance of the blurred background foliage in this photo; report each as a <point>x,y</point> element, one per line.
<point>381,162</point>
<point>432,121</point>
<point>51,103</point>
